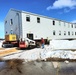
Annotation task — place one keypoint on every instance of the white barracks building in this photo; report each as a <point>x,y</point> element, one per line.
<point>29,25</point>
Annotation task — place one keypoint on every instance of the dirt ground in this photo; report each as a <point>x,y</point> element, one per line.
<point>7,51</point>
<point>38,68</point>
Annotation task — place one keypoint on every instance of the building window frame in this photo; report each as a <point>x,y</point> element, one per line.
<point>75,25</point>
<point>5,22</point>
<point>11,21</point>
<point>68,32</point>
<point>64,32</point>
<point>38,19</point>
<point>59,32</point>
<point>53,22</point>
<point>54,33</point>
<point>75,33</point>
<point>72,25</point>
<point>27,18</point>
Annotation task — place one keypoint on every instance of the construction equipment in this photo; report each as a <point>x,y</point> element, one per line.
<point>11,37</point>
<point>11,41</point>
<point>27,43</point>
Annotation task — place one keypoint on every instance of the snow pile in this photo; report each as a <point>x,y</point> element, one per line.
<point>29,55</point>
<point>1,44</point>
<point>63,44</point>
<point>56,49</point>
<point>42,54</point>
<point>59,54</point>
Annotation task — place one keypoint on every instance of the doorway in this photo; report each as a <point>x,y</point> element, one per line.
<point>30,36</point>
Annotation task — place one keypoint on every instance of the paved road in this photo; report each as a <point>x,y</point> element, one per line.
<point>40,68</point>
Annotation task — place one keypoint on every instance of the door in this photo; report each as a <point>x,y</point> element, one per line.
<point>30,36</point>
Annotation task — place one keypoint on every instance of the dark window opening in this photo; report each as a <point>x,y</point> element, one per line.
<point>72,25</point>
<point>68,33</point>
<point>30,36</point>
<point>11,21</point>
<point>54,33</point>
<point>5,22</point>
<point>28,18</point>
<point>38,20</point>
<point>17,14</point>
<point>11,31</point>
<point>59,32</point>
<point>6,32</point>
<point>64,32</point>
<point>75,26</point>
<point>75,33</point>
<point>53,22</point>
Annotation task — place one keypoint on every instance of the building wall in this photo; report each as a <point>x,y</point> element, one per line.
<point>46,28</point>
<point>14,26</point>
<point>38,29</point>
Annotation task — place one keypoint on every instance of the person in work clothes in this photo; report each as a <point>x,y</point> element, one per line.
<point>42,43</point>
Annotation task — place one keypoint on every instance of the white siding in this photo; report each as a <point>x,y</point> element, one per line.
<point>43,29</point>
<point>39,30</point>
<point>16,26</point>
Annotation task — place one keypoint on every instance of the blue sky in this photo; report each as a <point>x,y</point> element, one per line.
<point>60,9</point>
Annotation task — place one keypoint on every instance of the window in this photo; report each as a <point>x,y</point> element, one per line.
<point>11,21</point>
<point>72,33</point>
<point>75,26</point>
<point>28,18</point>
<point>6,32</point>
<point>75,33</point>
<point>64,32</point>
<point>72,25</point>
<point>54,32</point>
<point>17,14</point>
<point>11,31</point>
<point>68,32</point>
<point>5,22</point>
<point>59,32</point>
<point>30,36</point>
<point>53,22</point>
<point>38,20</point>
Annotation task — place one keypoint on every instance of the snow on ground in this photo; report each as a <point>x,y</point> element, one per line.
<point>51,50</point>
<point>63,44</point>
<point>1,43</point>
